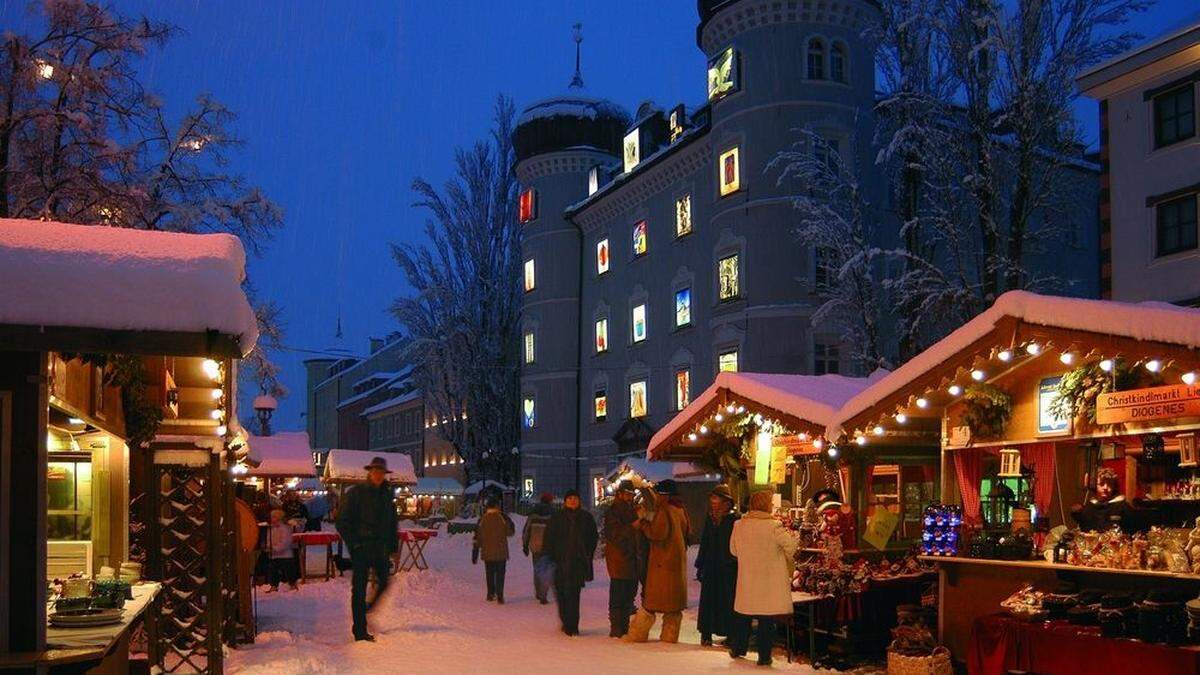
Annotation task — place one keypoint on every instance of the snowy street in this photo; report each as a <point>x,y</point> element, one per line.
<point>437,621</point>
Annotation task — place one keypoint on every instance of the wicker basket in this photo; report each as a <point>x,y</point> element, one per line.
<point>936,663</point>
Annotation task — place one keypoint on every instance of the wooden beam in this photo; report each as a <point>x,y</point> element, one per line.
<point>149,343</point>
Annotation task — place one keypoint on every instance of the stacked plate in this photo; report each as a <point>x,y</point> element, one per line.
<point>86,618</point>
<point>131,572</point>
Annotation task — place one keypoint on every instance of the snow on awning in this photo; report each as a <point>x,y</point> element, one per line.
<point>347,466</point>
<point>814,399</point>
<point>653,472</point>
<point>284,454</point>
<point>1149,322</point>
<point>118,279</point>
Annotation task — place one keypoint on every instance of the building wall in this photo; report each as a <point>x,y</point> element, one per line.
<point>332,382</point>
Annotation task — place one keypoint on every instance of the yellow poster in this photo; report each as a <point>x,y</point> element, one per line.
<point>880,527</point>
<point>779,457</point>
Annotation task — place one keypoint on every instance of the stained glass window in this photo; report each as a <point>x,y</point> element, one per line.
<point>639,238</point>
<point>722,74</point>
<point>602,256</point>
<point>593,180</point>
<point>730,172</point>
<point>683,215</point>
<point>601,335</point>
<point>600,405</point>
<point>727,362</point>
<point>527,409</point>
<point>530,277</point>
<point>639,323</point>
<point>637,399</point>
<point>632,147</point>
<point>527,207</point>
<point>683,388</point>
<point>528,346</point>
<point>683,307</point>
<point>727,277</point>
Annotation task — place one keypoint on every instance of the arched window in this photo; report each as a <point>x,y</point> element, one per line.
<point>837,62</point>
<point>816,59</point>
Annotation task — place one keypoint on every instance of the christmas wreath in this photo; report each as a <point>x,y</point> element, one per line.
<point>988,410</point>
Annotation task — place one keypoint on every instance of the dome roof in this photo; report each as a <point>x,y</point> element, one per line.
<point>573,119</point>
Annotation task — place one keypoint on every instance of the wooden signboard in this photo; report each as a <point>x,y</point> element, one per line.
<point>1143,405</point>
<point>793,445</point>
<point>779,456</point>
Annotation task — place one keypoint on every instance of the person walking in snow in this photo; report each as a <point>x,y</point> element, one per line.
<point>716,568</point>
<point>666,569</point>
<point>765,551</point>
<point>620,555</point>
<point>281,548</point>
<point>533,542</point>
<point>367,524</point>
<point>491,544</point>
<point>571,541</point>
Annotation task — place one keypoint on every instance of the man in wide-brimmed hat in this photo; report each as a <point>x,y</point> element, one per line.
<point>716,568</point>
<point>367,524</point>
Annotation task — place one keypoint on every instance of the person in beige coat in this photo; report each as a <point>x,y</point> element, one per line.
<point>491,544</point>
<point>765,551</point>
<point>666,571</point>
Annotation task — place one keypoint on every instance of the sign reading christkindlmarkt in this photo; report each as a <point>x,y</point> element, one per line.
<point>1155,403</point>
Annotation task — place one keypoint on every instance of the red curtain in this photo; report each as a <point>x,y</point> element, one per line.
<point>968,468</point>
<point>1040,458</point>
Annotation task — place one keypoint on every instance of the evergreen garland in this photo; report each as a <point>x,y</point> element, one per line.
<point>1078,388</point>
<point>988,410</point>
<point>128,372</point>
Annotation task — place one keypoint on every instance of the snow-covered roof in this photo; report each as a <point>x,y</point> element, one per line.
<point>80,276</point>
<point>348,466</point>
<point>575,103</point>
<point>428,485</point>
<point>478,486</point>
<point>380,375</point>
<point>1150,321</point>
<point>814,398</point>
<point>286,453</point>
<point>393,402</point>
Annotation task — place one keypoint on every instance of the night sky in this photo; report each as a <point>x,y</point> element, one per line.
<point>343,104</point>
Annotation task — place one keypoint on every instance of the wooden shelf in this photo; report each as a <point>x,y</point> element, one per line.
<point>1043,565</point>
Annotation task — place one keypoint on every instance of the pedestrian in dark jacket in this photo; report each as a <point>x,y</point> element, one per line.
<point>533,542</point>
<point>620,555</point>
<point>491,544</point>
<point>571,543</point>
<point>716,568</point>
<point>367,524</point>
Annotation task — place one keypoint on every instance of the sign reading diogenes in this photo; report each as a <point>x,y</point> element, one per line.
<point>1155,403</point>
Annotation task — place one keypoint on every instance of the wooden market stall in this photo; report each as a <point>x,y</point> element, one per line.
<point>1030,402</point>
<point>118,351</point>
<point>279,461</point>
<point>693,482</point>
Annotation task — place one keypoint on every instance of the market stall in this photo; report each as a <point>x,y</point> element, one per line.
<point>1054,414</point>
<point>278,462</point>
<point>693,482</point>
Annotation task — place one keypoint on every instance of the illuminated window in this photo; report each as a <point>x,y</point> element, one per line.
<point>530,277</point>
<point>730,172</point>
<point>727,362</point>
<point>683,388</point>
<point>528,346</point>
<point>632,149</point>
<point>601,335</point>
<point>639,323</point>
<point>816,59</point>
<point>527,410</point>
<point>837,62</point>
<point>683,215</point>
<point>600,405</point>
<point>676,122</point>
<point>637,399</point>
<point>722,74</point>
<point>825,358</point>
<point>727,277</point>
<point>639,238</point>
<point>527,207</point>
<point>593,180</point>
<point>683,307</point>
<point>602,256</point>
<point>527,486</point>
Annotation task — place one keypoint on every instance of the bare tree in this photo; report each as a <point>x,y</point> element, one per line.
<point>463,314</point>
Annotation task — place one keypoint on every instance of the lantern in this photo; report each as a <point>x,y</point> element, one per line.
<point>1187,450</point>
<point>1010,463</point>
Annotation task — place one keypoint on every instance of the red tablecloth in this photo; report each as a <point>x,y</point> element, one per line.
<point>316,538</point>
<point>1000,643</point>
<point>415,535</point>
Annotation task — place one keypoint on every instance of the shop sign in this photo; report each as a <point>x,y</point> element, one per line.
<point>1154,403</point>
<point>880,527</point>
<point>1048,422</point>
<point>793,445</point>
<point>959,437</point>
<point>779,457</point>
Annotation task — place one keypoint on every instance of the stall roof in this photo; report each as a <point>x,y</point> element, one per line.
<point>77,278</point>
<point>812,398</point>
<point>656,471</point>
<point>286,453</point>
<point>1145,322</point>
<point>428,485</point>
<point>346,466</point>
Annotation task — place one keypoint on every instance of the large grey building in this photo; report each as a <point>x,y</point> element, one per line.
<point>658,247</point>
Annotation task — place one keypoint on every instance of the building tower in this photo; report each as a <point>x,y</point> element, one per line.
<point>557,142</point>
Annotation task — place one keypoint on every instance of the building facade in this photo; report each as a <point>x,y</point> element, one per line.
<point>1150,168</point>
<point>659,247</point>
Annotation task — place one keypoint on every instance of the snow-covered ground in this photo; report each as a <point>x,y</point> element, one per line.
<point>437,621</point>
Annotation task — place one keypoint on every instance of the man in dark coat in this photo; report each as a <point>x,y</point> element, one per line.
<point>571,542</point>
<point>716,568</point>
<point>367,524</point>
<point>620,555</point>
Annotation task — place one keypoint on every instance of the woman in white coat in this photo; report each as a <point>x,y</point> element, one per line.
<point>765,552</point>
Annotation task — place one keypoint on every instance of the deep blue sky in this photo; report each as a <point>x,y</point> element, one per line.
<point>342,104</point>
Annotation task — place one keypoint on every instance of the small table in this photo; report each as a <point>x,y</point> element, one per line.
<point>809,602</point>
<point>305,539</point>
<point>412,548</point>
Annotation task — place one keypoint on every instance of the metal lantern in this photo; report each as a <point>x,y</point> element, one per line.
<point>1187,450</point>
<point>1010,463</point>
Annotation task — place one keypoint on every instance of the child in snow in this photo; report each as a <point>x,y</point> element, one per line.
<point>282,550</point>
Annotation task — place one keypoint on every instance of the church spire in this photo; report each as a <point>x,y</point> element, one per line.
<point>577,80</point>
